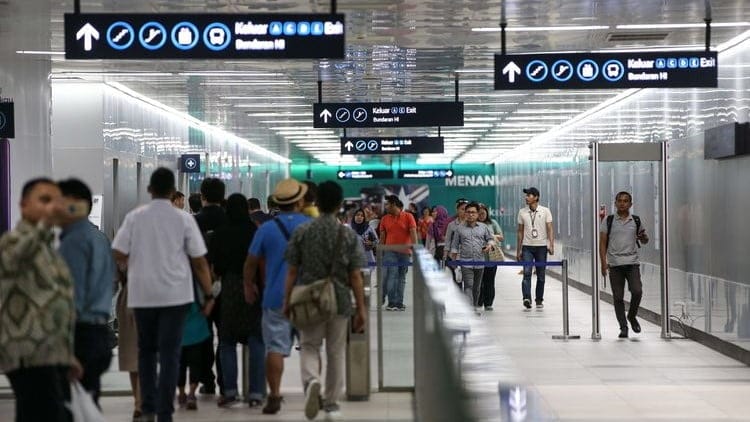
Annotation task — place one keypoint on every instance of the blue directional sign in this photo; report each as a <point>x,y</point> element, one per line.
<point>190,163</point>
<point>204,36</point>
<point>393,145</point>
<point>7,124</point>
<point>680,69</point>
<point>426,174</point>
<point>364,174</point>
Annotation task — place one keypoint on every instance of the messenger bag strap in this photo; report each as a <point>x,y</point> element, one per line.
<point>336,249</point>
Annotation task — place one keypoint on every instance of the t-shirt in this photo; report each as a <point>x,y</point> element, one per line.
<point>159,240</point>
<point>622,248</point>
<point>398,228</point>
<point>269,243</point>
<point>534,222</point>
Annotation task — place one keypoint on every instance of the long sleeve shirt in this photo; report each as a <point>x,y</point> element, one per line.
<point>468,242</point>
<point>88,254</point>
<point>36,300</point>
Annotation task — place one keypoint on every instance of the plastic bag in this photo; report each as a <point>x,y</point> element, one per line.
<point>82,405</point>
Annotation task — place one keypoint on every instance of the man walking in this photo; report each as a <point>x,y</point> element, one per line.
<point>158,244</point>
<point>270,244</point>
<point>87,252</point>
<point>536,238</point>
<point>456,221</point>
<point>620,236</point>
<point>397,227</point>
<point>473,240</point>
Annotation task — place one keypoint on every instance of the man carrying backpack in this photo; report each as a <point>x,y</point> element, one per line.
<point>620,236</point>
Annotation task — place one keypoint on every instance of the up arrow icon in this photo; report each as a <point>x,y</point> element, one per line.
<point>87,32</point>
<point>349,145</point>
<point>325,114</point>
<point>511,69</point>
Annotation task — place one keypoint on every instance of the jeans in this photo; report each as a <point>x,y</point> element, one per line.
<point>92,350</point>
<point>256,367</point>
<point>617,276</point>
<point>159,334</point>
<point>395,277</point>
<point>537,254</point>
<point>41,393</point>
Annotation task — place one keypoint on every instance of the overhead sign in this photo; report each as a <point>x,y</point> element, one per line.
<point>673,69</point>
<point>190,163</point>
<point>364,174</point>
<point>413,114</point>
<point>408,145</point>
<point>7,123</point>
<point>425,174</point>
<point>204,36</point>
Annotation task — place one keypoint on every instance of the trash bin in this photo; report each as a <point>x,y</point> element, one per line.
<point>358,358</point>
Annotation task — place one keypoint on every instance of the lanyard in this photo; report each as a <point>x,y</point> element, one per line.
<point>532,215</point>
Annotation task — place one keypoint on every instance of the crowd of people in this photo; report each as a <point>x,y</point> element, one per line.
<point>226,270</point>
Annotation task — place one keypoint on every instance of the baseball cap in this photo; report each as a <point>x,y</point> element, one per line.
<point>532,191</point>
<point>462,201</point>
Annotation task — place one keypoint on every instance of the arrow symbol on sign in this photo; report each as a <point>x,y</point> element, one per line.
<point>325,115</point>
<point>511,69</point>
<point>87,32</point>
<point>349,145</point>
<point>341,174</point>
<point>449,173</point>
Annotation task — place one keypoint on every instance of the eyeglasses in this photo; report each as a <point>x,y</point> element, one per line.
<point>471,212</point>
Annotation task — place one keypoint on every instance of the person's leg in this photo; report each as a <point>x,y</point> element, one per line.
<point>540,256</point>
<point>390,276</point>
<point>477,287</point>
<point>335,333</point>
<point>488,287</point>
<point>467,275</point>
<point>277,336</point>
<point>228,356</point>
<point>209,379</point>
<point>636,293</point>
<point>40,394</point>
<point>170,326</point>
<point>403,268</point>
<point>527,256</point>
<point>311,340</point>
<point>182,377</point>
<point>136,388</point>
<point>274,371</point>
<point>617,281</point>
<point>146,325</point>
<point>93,352</point>
<point>256,368</point>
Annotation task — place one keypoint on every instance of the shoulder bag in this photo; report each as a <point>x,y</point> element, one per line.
<point>315,303</point>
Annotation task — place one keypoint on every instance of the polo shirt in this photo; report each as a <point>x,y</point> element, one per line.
<point>534,220</point>
<point>270,244</point>
<point>398,228</point>
<point>622,249</point>
<point>159,240</point>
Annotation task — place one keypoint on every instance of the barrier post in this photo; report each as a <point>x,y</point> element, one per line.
<point>566,325</point>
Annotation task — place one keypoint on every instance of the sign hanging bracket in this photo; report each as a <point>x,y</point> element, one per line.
<point>320,91</point>
<point>708,20</point>
<point>503,25</point>
<point>77,6</point>
<point>455,82</point>
<point>333,7</point>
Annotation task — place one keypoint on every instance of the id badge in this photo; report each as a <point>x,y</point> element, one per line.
<point>534,233</point>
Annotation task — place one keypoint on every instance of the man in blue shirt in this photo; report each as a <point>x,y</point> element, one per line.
<point>269,245</point>
<point>87,252</point>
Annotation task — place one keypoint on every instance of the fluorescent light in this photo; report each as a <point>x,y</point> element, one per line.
<point>248,83</point>
<point>283,122</point>
<point>111,74</point>
<point>476,71</point>
<point>434,160</point>
<point>542,28</point>
<point>196,123</point>
<point>279,114</point>
<point>232,73</point>
<point>41,53</point>
<point>683,25</point>
<point>270,97</point>
<point>270,105</point>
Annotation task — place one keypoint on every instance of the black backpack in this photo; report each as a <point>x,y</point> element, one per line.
<point>637,220</point>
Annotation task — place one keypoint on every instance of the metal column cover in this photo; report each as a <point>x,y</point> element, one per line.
<point>666,331</point>
<point>595,328</point>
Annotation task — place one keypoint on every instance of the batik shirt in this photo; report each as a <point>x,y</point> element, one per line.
<point>312,250</point>
<point>37,311</point>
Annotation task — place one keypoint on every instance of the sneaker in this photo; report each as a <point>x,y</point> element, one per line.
<point>623,332</point>
<point>143,418</point>
<point>488,308</point>
<point>401,308</point>
<point>391,308</point>
<point>273,405</point>
<point>253,403</point>
<point>228,401</point>
<point>527,303</point>
<point>333,412</point>
<point>634,325</point>
<point>191,403</point>
<point>478,310</point>
<point>540,305</point>
<point>312,399</point>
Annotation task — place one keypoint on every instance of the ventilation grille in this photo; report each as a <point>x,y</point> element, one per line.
<point>636,36</point>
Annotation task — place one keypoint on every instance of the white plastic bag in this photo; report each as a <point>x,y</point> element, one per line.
<point>82,405</point>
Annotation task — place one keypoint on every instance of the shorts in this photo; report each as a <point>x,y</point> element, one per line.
<point>277,332</point>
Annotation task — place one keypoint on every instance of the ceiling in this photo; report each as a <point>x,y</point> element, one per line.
<point>397,50</point>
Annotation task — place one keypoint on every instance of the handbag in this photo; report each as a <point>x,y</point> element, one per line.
<point>495,254</point>
<point>82,406</point>
<point>315,303</point>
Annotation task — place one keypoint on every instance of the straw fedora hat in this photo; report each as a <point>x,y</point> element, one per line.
<point>288,191</point>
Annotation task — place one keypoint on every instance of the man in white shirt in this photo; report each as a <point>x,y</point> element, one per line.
<point>536,238</point>
<point>158,244</point>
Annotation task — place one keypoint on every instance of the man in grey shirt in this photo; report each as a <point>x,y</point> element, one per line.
<point>472,240</point>
<point>619,235</point>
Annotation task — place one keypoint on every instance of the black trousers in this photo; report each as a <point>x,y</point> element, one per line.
<point>618,276</point>
<point>41,393</point>
<point>92,350</point>
<point>192,358</point>
<point>487,293</point>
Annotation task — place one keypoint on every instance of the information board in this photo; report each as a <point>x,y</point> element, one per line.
<point>425,174</point>
<point>364,174</point>
<point>399,145</point>
<point>410,114</point>
<point>7,123</point>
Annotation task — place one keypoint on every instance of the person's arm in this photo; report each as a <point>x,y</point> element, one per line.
<point>551,238</point>
<point>17,247</point>
<point>121,260</point>
<point>489,239</point>
<point>519,241</point>
<point>455,244</point>
<point>414,236</point>
<point>603,252</point>
<point>355,279</point>
<point>201,269</point>
<point>291,277</point>
<point>250,285</point>
<point>642,236</point>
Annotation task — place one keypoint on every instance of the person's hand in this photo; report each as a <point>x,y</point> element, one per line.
<point>208,307</point>
<point>518,256</point>
<point>642,236</point>
<point>285,310</point>
<point>76,370</point>
<point>551,250</point>
<point>251,293</point>
<point>359,320</point>
<point>454,256</point>
<point>604,268</point>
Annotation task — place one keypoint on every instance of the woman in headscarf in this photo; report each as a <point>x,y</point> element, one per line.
<point>436,232</point>
<point>367,236</point>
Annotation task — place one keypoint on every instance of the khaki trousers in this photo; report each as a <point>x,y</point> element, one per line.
<point>311,341</point>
